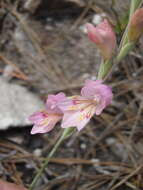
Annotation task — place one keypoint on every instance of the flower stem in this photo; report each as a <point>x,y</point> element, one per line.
<point>124,51</point>
<point>104,69</point>
<point>66,133</point>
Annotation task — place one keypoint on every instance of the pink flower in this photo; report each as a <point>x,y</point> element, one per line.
<point>4,185</point>
<point>136,25</point>
<point>45,120</point>
<point>78,110</point>
<point>104,37</point>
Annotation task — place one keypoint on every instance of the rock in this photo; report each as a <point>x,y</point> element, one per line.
<point>16,104</point>
<point>31,5</point>
<point>98,18</point>
<point>37,152</point>
<point>117,148</point>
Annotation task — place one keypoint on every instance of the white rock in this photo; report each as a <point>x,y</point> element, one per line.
<point>98,18</point>
<point>117,148</point>
<point>110,141</point>
<point>16,105</point>
<point>95,161</point>
<point>83,146</point>
<point>83,28</point>
<point>8,71</point>
<point>37,152</point>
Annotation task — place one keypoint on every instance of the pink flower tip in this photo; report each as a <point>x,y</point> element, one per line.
<point>136,25</point>
<point>45,120</point>
<point>104,37</point>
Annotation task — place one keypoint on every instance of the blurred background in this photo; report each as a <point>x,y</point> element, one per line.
<point>44,49</point>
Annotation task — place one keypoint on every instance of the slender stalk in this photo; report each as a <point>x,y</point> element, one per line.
<point>132,7</point>
<point>104,69</point>
<point>124,51</point>
<point>124,39</point>
<point>66,133</point>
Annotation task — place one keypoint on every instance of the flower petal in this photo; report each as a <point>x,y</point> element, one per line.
<point>74,103</point>
<point>43,128</point>
<point>93,34</point>
<point>89,88</point>
<point>74,119</point>
<point>53,100</point>
<point>78,118</point>
<point>38,116</point>
<point>44,122</point>
<point>94,89</point>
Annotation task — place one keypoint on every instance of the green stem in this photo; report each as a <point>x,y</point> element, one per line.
<point>124,39</point>
<point>104,69</point>
<point>124,51</point>
<point>66,133</point>
<point>135,4</point>
<point>132,7</point>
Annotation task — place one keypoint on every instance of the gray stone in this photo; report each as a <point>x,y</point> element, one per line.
<point>16,105</point>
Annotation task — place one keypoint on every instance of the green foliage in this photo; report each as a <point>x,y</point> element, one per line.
<point>121,25</point>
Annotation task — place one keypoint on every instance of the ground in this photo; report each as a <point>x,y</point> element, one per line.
<point>46,44</point>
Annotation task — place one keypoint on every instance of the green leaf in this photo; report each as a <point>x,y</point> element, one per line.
<point>124,51</point>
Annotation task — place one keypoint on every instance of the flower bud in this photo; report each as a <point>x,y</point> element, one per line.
<point>136,25</point>
<point>104,37</point>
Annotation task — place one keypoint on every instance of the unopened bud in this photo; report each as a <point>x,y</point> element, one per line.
<point>136,25</point>
<point>104,37</point>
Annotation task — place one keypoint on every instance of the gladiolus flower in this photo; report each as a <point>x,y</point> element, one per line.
<point>45,120</point>
<point>78,110</point>
<point>136,25</point>
<point>104,37</point>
